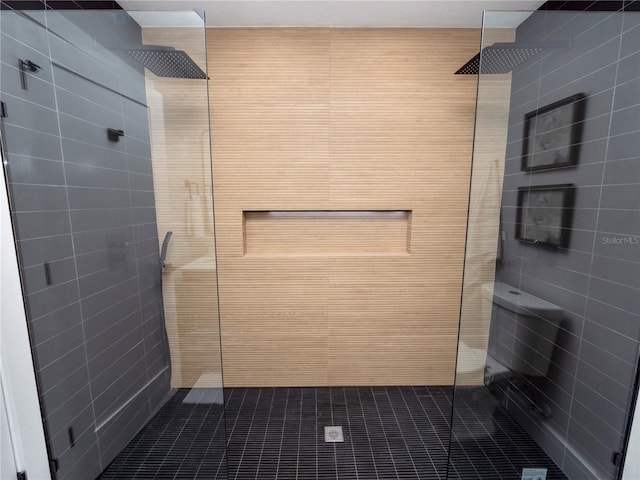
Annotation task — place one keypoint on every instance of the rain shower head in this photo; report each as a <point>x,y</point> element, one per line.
<point>167,62</point>
<point>504,57</point>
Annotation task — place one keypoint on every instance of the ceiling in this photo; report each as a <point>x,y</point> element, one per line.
<point>338,13</point>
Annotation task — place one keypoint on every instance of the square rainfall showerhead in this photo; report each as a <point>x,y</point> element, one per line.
<point>167,62</point>
<point>499,58</point>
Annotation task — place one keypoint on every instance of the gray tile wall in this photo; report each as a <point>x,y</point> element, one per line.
<point>597,279</point>
<point>85,206</point>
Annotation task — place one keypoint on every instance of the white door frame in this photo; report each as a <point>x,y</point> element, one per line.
<point>8,467</point>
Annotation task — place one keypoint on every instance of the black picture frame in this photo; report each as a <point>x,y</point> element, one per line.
<point>544,215</point>
<point>552,134</point>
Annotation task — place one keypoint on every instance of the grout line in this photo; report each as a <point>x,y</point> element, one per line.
<point>266,433</point>
<point>349,432</point>
<point>366,429</point>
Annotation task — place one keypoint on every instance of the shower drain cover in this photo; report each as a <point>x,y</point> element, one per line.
<point>333,434</point>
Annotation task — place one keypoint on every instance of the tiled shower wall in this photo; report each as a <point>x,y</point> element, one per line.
<point>585,398</point>
<point>85,223</point>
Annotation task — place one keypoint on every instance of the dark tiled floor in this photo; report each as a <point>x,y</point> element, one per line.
<point>183,441</point>
<point>278,433</point>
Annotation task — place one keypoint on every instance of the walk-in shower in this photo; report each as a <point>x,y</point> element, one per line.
<point>317,253</point>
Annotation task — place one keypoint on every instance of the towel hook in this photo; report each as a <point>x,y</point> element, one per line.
<point>26,66</point>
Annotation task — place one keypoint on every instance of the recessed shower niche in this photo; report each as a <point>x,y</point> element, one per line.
<point>327,233</point>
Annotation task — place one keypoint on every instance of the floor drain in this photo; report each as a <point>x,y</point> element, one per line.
<point>333,434</point>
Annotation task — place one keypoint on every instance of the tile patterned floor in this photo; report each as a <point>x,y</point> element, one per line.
<point>183,441</point>
<point>278,433</point>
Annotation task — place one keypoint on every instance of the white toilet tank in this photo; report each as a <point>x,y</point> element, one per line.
<point>536,327</point>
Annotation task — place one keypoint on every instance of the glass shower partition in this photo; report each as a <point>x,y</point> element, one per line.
<point>549,328</point>
<point>105,137</point>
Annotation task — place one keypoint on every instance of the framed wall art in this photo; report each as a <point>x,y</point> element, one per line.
<point>552,134</point>
<point>544,215</point>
